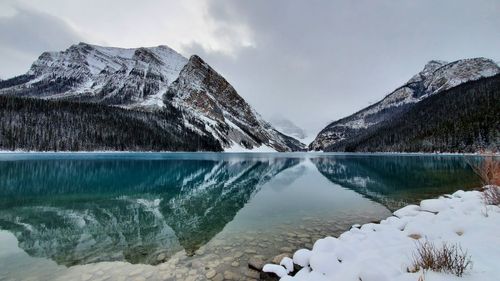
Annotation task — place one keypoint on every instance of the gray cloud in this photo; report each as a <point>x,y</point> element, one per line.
<point>28,33</point>
<point>316,61</point>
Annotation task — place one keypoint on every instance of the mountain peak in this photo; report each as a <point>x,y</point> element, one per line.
<point>127,77</point>
<point>436,62</point>
<point>198,61</point>
<point>432,65</point>
<point>196,58</point>
<point>436,77</point>
<point>428,70</point>
<point>152,79</point>
<point>202,91</point>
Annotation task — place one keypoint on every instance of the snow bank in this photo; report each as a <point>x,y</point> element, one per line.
<point>236,148</point>
<point>380,252</point>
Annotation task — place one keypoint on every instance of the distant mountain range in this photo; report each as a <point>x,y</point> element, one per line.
<point>451,107</point>
<point>183,104</point>
<point>91,98</point>
<point>289,128</point>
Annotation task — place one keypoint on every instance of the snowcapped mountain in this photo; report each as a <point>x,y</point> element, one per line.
<point>139,79</point>
<point>287,127</point>
<point>114,76</point>
<point>206,95</point>
<point>436,77</point>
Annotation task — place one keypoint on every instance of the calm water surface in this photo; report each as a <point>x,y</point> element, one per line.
<point>67,215</point>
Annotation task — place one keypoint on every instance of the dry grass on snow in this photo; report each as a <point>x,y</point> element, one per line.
<point>488,169</point>
<point>449,258</point>
<point>491,195</point>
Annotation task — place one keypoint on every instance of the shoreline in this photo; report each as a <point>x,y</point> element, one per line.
<point>251,152</point>
<point>208,266</point>
<point>385,250</point>
<point>230,257</point>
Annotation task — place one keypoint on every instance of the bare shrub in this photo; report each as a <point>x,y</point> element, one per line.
<point>447,258</point>
<point>491,195</point>
<point>487,168</point>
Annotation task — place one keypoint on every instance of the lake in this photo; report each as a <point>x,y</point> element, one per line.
<point>191,216</point>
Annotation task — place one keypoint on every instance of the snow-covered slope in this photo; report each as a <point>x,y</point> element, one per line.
<point>139,78</point>
<point>115,76</point>
<point>205,95</point>
<point>289,128</point>
<point>437,76</point>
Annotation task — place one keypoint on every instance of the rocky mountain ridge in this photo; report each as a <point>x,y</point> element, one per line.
<point>113,76</point>
<point>206,95</point>
<point>151,79</point>
<point>436,77</point>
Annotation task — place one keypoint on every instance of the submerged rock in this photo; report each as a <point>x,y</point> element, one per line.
<point>256,263</point>
<point>210,274</point>
<point>277,259</point>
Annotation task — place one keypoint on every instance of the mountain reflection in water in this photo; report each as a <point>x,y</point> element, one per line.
<point>398,180</point>
<point>73,211</point>
<point>78,209</point>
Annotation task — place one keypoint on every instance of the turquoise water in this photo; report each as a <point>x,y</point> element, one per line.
<point>73,209</point>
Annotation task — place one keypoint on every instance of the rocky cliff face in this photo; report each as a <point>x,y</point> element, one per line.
<point>139,78</point>
<point>206,95</point>
<point>436,77</point>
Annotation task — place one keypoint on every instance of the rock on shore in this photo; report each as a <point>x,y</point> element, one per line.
<point>376,252</point>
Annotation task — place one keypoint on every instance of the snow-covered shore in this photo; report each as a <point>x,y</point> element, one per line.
<point>384,251</point>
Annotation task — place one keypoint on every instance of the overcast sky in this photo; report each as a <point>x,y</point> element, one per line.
<point>310,61</point>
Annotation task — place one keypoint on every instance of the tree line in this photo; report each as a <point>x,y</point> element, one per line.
<point>49,125</point>
<point>462,119</point>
